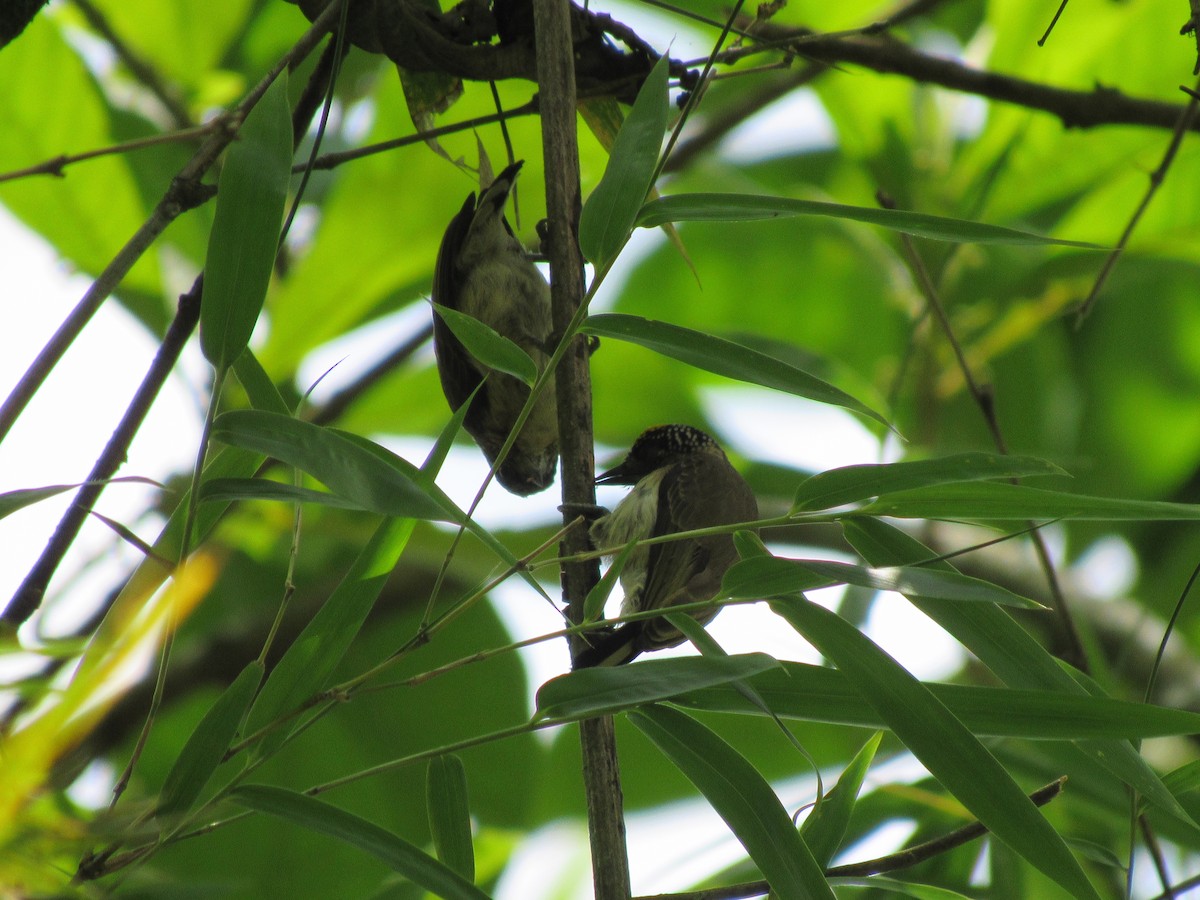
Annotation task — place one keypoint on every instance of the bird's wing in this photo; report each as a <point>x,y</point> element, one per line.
<point>673,564</point>
<point>457,368</point>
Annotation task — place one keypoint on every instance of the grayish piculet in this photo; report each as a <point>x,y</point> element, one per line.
<point>483,271</point>
<point>681,481</point>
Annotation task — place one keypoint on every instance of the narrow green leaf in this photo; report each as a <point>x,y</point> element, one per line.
<point>820,694</point>
<point>258,384</point>
<point>12,501</point>
<point>609,214</point>
<point>602,691</point>
<point>767,576</point>
<point>375,479</point>
<point>849,484</point>
<point>1012,655</point>
<point>951,753</point>
<point>445,439</point>
<point>325,818</point>
<point>749,207</point>
<point>237,489</point>
<point>593,604</point>
<point>206,747</point>
<point>741,797</point>
<point>245,234</point>
<point>450,814</point>
<point>1185,778</point>
<point>722,357</point>
<point>990,501</point>
<point>309,662</point>
<point>488,346</point>
<point>876,884</point>
<point>825,828</point>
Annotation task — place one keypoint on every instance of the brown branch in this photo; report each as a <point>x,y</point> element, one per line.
<point>1186,116</point>
<point>560,152</point>
<point>185,188</point>
<point>1075,109</point>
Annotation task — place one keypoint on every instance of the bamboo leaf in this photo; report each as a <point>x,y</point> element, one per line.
<point>450,814</point>
<point>609,214</point>
<point>722,357</point>
<point>767,576</point>
<point>325,818</point>
<point>749,207</point>
<point>206,747</point>
<point>252,191</point>
<point>310,660</point>
<point>950,752</point>
<point>849,484</point>
<point>602,691</point>
<point>487,345</point>
<point>741,797</point>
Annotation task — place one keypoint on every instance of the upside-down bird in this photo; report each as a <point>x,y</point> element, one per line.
<point>483,271</point>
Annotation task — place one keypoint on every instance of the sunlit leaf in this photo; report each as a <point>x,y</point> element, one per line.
<point>610,211</point>
<point>722,357</point>
<point>749,207</point>
<point>325,818</point>
<point>741,797</point>
<point>251,195</point>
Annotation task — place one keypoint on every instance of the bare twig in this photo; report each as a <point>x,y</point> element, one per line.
<point>185,185</point>
<point>142,69</point>
<point>1186,117</point>
<point>986,401</point>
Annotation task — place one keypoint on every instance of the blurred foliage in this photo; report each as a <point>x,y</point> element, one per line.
<point>1112,399</point>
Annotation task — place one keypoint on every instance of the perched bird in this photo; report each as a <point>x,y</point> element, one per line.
<point>483,271</point>
<point>681,482</point>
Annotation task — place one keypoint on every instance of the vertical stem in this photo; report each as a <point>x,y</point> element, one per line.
<point>556,83</point>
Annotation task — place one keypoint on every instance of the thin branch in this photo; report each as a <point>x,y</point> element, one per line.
<point>184,193</point>
<point>32,590</point>
<point>56,164</point>
<point>573,390</point>
<point>985,400</point>
<point>1054,21</point>
<point>142,69</point>
<point>1186,117</point>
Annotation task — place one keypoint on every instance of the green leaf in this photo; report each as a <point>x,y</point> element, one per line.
<point>488,346</point>
<point>988,501</point>
<point>325,818</point>
<point>877,884</point>
<point>602,691</point>
<point>258,384</point>
<point>12,501</point>
<point>610,212</point>
<point>849,484</point>
<point>825,828</point>
<point>450,814</point>
<point>741,797</point>
<point>206,747</point>
<point>593,604</point>
<point>951,753</point>
<point>1012,655</point>
<point>376,480</point>
<point>310,660</point>
<point>245,233</point>
<point>722,357</point>
<point>820,694</point>
<point>749,207</point>
<point>236,489</point>
<point>767,576</point>
<point>445,439</point>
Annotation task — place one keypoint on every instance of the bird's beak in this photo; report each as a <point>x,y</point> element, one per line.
<point>616,475</point>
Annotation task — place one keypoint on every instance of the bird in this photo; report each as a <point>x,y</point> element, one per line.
<point>483,271</point>
<point>681,481</point>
